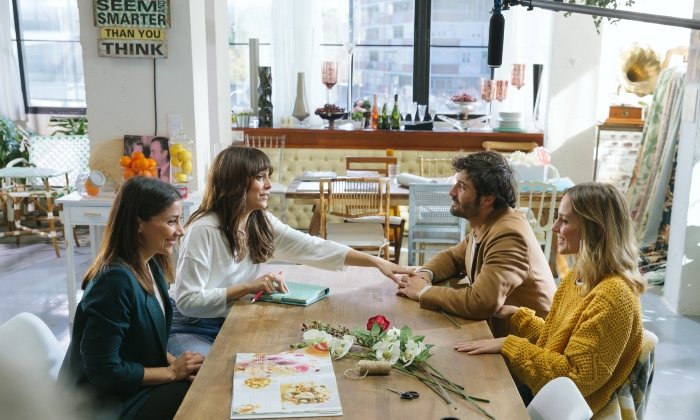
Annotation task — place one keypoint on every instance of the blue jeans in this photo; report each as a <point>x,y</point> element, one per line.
<point>192,334</point>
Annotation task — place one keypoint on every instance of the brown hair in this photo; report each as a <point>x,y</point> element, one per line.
<point>491,174</point>
<point>138,198</point>
<point>229,179</point>
<point>608,245</point>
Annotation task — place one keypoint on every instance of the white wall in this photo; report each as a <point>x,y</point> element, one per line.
<point>681,287</point>
<point>574,77</point>
<point>119,91</point>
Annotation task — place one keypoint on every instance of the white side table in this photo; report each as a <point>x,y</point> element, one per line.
<point>91,211</point>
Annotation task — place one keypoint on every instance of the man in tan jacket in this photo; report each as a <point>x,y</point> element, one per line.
<point>500,262</point>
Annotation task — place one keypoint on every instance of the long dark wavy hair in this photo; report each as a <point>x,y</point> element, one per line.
<point>138,198</point>
<point>491,174</point>
<point>229,179</point>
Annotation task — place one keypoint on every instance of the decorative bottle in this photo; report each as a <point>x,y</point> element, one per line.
<point>375,114</point>
<point>384,117</point>
<point>301,109</point>
<point>395,116</point>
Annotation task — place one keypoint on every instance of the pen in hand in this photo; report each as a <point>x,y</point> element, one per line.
<point>260,293</point>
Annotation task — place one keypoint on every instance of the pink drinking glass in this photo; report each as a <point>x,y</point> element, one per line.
<point>517,75</point>
<point>329,77</point>
<point>501,90</point>
<point>486,90</point>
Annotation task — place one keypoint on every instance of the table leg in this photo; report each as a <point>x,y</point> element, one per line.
<point>70,268</point>
<point>315,223</point>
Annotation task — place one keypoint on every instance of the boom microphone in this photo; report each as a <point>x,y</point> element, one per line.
<point>497,26</point>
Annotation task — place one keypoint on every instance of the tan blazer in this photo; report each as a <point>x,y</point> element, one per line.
<point>509,268</point>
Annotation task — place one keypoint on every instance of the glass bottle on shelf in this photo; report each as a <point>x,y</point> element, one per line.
<point>375,114</point>
<point>385,116</point>
<point>395,116</point>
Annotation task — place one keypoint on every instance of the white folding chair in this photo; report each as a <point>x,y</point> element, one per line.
<point>430,220</point>
<point>273,146</point>
<point>538,200</point>
<point>559,399</point>
<point>28,338</point>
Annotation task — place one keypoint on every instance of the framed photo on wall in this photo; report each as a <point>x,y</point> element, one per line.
<point>154,147</point>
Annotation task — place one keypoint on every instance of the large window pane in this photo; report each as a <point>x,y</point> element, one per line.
<point>383,71</point>
<point>383,22</point>
<point>52,57</point>
<point>249,19</point>
<point>459,39</point>
<point>54,74</point>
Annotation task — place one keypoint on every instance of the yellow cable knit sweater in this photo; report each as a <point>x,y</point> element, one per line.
<point>593,339</point>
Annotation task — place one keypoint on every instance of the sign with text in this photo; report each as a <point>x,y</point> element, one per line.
<point>132,28</point>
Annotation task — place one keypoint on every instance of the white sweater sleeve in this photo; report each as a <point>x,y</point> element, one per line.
<point>301,248</point>
<point>196,291</point>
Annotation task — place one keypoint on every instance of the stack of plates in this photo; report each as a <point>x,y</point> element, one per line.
<point>510,121</point>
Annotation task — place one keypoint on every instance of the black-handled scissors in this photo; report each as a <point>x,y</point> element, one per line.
<point>405,395</point>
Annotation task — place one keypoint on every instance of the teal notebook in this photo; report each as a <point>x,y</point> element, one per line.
<point>300,294</point>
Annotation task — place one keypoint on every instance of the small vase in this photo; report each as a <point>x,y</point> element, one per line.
<point>265,97</point>
<point>301,109</point>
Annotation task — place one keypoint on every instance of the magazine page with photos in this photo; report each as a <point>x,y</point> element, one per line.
<point>299,383</point>
<point>154,147</point>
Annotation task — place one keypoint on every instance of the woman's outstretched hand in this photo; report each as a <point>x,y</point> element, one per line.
<point>394,271</point>
<point>492,345</point>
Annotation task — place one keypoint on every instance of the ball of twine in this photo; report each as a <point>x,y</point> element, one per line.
<point>366,368</point>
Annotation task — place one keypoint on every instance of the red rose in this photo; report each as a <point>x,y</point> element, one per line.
<point>378,319</point>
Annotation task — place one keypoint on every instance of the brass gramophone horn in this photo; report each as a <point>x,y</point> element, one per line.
<point>640,67</point>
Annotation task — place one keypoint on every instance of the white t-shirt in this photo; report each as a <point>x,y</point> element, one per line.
<point>205,266</point>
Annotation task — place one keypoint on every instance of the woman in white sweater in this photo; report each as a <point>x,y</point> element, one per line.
<point>227,239</point>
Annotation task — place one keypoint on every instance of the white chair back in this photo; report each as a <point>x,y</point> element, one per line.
<point>430,220</point>
<point>559,399</point>
<point>30,340</point>
<point>539,200</point>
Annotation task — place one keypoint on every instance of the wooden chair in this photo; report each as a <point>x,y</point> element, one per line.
<point>275,146</point>
<point>435,167</point>
<point>509,146</point>
<point>380,164</point>
<point>539,200</point>
<point>353,198</point>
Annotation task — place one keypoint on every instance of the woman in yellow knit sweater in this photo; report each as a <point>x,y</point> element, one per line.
<point>593,333</point>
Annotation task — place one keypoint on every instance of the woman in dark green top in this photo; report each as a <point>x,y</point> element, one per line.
<point>117,354</point>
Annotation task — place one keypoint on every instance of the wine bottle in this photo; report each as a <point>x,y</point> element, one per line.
<point>375,114</point>
<point>395,116</point>
<point>384,117</point>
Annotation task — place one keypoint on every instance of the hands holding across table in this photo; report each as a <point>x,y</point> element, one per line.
<point>388,268</point>
<point>411,285</point>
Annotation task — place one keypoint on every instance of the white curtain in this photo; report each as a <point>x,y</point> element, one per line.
<point>527,40</point>
<point>295,26</point>
<point>11,101</point>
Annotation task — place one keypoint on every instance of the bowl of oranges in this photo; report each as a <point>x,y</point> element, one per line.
<point>137,165</point>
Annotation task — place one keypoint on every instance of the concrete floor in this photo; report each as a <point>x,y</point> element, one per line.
<point>33,280</point>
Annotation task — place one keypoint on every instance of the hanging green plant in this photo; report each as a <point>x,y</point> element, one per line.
<point>69,126</point>
<point>607,4</point>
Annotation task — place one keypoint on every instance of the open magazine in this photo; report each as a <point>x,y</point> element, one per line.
<point>299,383</point>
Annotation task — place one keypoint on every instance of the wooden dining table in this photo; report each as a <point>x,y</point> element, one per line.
<point>357,294</point>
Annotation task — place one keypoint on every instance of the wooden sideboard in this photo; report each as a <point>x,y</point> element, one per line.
<point>319,138</point>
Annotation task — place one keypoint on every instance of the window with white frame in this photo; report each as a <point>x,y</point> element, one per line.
<point>373,43</point>
<point>46,35</point>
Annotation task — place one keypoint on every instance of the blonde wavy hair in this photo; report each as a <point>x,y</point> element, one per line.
<point>608,243</point>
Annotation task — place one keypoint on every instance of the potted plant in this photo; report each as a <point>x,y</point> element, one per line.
<point>360,112</point>
<point>14,141</point>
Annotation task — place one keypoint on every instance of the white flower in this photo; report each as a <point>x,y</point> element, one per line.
<point>313,337</point>
<point>413,349</point>
<point>341,346</point>
<point>388,350</point>
<point>522,158</point>
<point>393,334</point>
